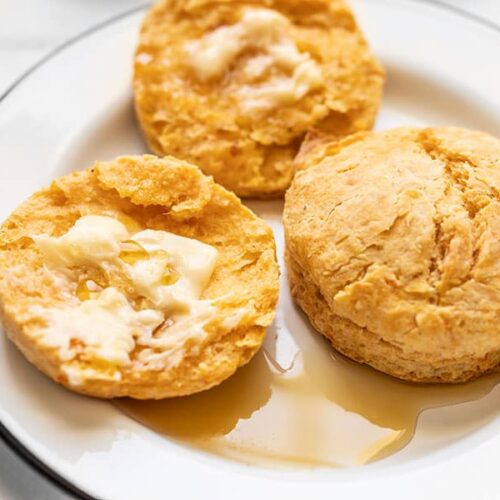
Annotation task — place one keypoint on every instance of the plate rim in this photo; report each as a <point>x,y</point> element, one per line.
<point>27,456</point>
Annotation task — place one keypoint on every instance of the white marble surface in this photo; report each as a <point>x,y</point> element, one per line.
<point>29,29</point>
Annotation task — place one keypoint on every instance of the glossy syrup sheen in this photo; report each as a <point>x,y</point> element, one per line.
<point>322,410</point>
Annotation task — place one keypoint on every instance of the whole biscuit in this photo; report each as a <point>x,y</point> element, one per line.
<point>161,194</point>
<point>200,121</point>
<point>393,250</point>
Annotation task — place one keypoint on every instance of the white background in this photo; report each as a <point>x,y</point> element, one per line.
<point>29,29</point>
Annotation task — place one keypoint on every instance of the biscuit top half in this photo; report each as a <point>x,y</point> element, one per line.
<point>400,231</point>
<point>235,85</point>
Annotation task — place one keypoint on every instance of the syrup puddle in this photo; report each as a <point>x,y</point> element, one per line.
<point>322,410</point>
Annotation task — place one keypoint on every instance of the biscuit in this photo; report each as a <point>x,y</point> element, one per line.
<point>393,250</point>
<point>175,322</point>
<point>234,86</point>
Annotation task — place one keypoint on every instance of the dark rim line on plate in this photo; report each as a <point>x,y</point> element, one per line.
<point>7,437</point>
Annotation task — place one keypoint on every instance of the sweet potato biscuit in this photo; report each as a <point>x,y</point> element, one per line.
<point>393,250</point>
<point>234,86</point>
<point>79,289</point>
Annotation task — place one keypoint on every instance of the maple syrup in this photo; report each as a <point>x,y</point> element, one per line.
<point>322,410</point>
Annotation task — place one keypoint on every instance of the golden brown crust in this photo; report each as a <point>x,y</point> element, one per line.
<point>200,121</point>
<point>397,237</point>
<point>163,194</point>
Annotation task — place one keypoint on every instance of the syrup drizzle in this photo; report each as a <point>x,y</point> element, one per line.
<point>321,410</point>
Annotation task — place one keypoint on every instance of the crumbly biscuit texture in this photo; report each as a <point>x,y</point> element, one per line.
<point>141,193</point>
<point>393,249</point>
<point>234,86</point>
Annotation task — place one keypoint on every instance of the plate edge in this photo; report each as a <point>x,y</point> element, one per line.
<point>29,458</point>
<point>11,441</point>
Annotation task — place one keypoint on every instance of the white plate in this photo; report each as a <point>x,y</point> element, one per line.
<point>77,107</point>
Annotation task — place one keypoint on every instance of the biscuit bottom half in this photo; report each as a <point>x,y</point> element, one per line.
<point>363,346</point>
<point>137,277</point>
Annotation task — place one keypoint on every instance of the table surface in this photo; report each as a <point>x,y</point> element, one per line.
<point>28,31</point>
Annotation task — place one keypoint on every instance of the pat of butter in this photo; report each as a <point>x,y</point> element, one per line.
<point>166,349</point>
<point>193,260</point>
<point>97,240</point>
<point>93,238</point>
<point>107,324</point>
<point>211,56</point>
<point>263,30</point>
<point>280,91</point>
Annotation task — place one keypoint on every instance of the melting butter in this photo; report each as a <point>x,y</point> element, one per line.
<point>192,259</point>
<point>92,239</point>
<point>168,270</point>
<point>263,30</point>
<point>166,349</point>
<point>106,325</point>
